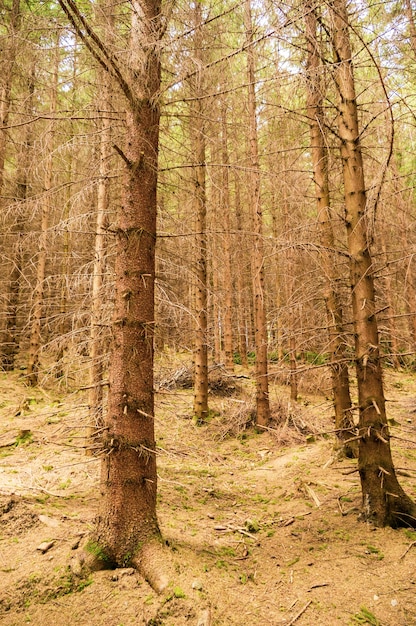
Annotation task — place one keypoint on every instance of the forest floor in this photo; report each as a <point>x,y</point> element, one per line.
<point>263,528</point>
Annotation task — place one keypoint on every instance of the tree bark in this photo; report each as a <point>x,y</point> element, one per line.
<point>95,399</point>
<point>384,501</point>
<point>226,212</point>
<point>200,211</point>
<point>344,422</point>
<point>8,63</point>
<point>38,296</point>
<point>10,334</point>
<point>262,381</point>
<point>127,530</point>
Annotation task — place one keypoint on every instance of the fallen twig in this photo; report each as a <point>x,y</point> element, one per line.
<point>407,550</point>
<point>317,586</point>
<point>301,612</point>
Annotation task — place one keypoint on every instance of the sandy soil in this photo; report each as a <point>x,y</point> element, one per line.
<point>263,529</point>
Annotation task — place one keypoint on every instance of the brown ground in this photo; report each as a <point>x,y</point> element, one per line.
<point>263,529</point>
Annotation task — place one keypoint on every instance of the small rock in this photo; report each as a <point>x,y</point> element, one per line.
<point>76,566</point>
<point>48,521</point>
<point>45,546</point>
<point>394,602</point>
<point>197,585</point>
<point>204,618</point>
<point>127,571</point>
<point>211,516</point>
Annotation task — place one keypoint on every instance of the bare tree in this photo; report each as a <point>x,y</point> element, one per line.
<point>38,296</point>
<point>344,422</point>
<point>127,530</point>
<point>262,382</point>
<point>200,220</point>
<point>384,501</point>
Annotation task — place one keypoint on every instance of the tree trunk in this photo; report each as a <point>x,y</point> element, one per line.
<point>127,530</point>
<point>10,339</point>
<point>95,399</point>
<point>8,62</point>
<point>9,51</point>
<point>384,501</point>
<point>105,17</point>
<point>200,212</point>
<point>262,382</point>
<point>344,422</point>
<point>37,308</point>
<point>226,212</point>
<point>243,301</point>
<point>391,334</point>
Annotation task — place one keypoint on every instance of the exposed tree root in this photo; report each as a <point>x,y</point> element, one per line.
<point>155,564</point>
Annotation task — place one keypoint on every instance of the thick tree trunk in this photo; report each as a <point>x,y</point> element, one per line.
<point>344,422</point>
<point>262,381</point>
<point>384,501</point>
<point>127,530</point>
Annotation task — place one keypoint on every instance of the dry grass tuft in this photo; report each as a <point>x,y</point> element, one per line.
<point>291,423</point>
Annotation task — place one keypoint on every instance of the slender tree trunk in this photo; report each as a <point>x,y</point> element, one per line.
<point>344,422</point>
<point>10,338</point>
<point>226,212</point>
<point>38,296</point>
<point>95,399</point>
<point>293,367</point>
<point>8,54</point>
<point>262,382</point>
<point>411,20</point>
<point>384,501</point>
<point>411,304</point>
<point>200,212</point>
<point>8,62</point>
<point>391,339</point>
<point>243,302</point>
<point>215,309</point>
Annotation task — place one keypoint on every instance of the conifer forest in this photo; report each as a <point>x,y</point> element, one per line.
<point>207,312</point>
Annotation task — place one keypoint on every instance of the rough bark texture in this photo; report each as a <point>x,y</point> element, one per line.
<point>384,501</point>
<point>344,422</point>
<point>262,382</point>
<point>127,529</point>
